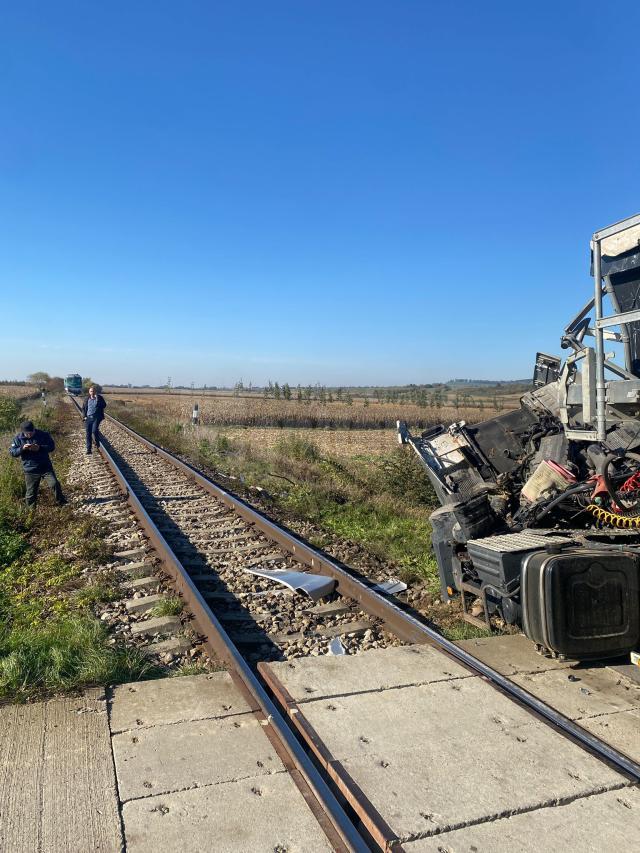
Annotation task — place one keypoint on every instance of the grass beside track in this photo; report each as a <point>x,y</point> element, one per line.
<point>50,582</point>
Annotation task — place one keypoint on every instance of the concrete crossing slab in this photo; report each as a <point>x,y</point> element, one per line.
<point>191,754</point>
<point>608,821</point>
<point>586,692</point>
<point>175,700</point>
<point>431,752</point>
<point>252,815</point>
<point>621,730</point>
<point>410,750</point>
<point>197,772</point>
<point>309,679</point>
<point>603,699</point>
<point>510,654</point>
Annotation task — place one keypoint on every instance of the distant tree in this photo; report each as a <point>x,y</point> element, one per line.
<point>348,399</point>
<point>299,394</point>
<point>276,391</point>
<point>38,378</point>
<point>339,395</point>
<point>330,397</point>
<point>366,401</point>
<point>308,392</point>
<point>322,394</point>
<point>286,391</point>
<point>55,383</point>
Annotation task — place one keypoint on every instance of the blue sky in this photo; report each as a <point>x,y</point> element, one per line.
<point>335,192</point>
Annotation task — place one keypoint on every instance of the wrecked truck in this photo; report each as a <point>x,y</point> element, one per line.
<point>539,523</point>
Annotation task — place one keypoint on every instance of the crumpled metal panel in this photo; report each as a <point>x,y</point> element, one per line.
<point>315,586</point>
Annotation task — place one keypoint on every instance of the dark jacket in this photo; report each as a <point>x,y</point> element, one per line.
<point>102,405</point>
<point>34,461</point>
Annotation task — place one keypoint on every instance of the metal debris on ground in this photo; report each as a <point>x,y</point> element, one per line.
<point>390,587</point>
<point>315,586</point>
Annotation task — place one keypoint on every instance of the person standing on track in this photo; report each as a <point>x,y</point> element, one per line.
<point>33,446</point>
<point>93,413</point>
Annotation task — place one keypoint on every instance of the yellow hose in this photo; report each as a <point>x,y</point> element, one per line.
<point>613,519</point>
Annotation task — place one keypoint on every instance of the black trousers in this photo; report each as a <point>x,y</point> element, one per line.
<point>32,481</point>
<point>92,428</point>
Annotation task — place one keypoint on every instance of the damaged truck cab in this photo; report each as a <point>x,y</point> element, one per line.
<point>540,507</point>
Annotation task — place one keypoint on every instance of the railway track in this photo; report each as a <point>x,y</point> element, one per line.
<point>204,539</point>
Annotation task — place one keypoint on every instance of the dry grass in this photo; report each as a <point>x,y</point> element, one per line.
<point>257,412</point>
<point>19,392</point>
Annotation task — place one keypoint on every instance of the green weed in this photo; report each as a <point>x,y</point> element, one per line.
<point>196,669</point>
<point>171,606</point>
<point>463,631</point>
<point>87,542</point>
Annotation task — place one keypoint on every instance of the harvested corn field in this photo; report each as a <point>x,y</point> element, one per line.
<point>342,443</point>
<point>254,411</point>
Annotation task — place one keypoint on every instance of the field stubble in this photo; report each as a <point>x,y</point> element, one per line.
<point>258,412</point>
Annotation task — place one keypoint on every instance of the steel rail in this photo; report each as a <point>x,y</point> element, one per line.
<point>223,648</point>
<point>402,624</point>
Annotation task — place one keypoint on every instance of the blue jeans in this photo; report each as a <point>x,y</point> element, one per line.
<point>92,428</point>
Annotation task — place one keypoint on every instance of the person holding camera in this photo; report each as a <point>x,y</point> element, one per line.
<point>33,446</point>
<point>93,413</point>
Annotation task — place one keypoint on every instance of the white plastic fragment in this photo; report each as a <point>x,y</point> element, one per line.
<point>392,587</point>
<point>315,586</point>
<point>336,647</point>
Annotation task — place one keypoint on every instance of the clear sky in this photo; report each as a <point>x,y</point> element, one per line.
<point>338,192</point>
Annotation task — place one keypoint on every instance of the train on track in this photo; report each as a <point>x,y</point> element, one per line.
<point>73,384</point>
<point>539,523</point>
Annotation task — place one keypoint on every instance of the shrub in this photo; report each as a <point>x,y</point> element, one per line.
<point>298,448</point>
<point>9,414</point>
<point>401,475</point>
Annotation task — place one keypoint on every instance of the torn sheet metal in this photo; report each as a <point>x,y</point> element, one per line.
<point>315,586</point>
<point>392,587</point>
